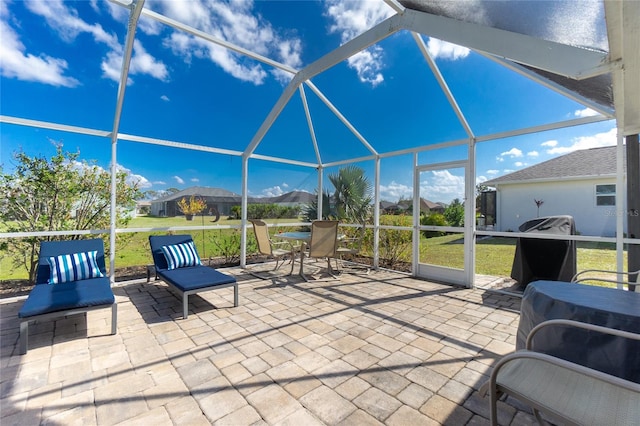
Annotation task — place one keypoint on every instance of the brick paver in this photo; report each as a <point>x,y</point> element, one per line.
<point>381,348</point>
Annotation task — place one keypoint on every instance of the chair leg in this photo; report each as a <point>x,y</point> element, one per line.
<point>185,306</point>
<point>293,260</point>
<point>235,295</point>
<point>114,318</point>
<point>277,261</point>
<point>24,337</point>
<point>493,413</point>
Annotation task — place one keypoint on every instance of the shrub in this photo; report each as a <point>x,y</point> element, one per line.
<point>227,245</point>
<point>433,219</point>
<point>394,244</point>
<point>271,211</point>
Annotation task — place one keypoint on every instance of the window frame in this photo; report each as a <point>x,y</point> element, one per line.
<point>605,195</point>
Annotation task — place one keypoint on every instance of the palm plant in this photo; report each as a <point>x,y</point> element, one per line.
<point>352,194</point>
<point>311,211</point>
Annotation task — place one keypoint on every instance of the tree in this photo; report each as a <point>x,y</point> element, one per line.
<point>58,194</point>
<point>538,204</point>
<point>480,188</point>
<point>311,211</point>
<point>191,206</point>
<point>454,213</point>
<point>352,194</point>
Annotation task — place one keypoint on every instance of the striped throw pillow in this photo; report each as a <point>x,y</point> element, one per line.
<point>181,255</point>
<point>74,267</point>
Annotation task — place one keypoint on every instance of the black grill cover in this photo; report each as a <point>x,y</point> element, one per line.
<point>538,259</point>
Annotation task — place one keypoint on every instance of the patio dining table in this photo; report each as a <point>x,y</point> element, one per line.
<point>301,236</point>
<point>607,307</point>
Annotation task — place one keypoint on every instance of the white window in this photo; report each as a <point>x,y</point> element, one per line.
<point>606,195</point>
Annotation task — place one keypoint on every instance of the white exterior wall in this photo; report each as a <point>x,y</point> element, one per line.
<point>577,198</point>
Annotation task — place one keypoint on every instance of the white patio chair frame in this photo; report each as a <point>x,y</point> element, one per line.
<point>581,277</point>
<point>542,382</point>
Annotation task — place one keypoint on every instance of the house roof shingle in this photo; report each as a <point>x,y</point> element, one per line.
<point>577,164</point>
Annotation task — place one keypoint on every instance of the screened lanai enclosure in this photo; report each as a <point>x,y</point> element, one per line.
<point>429,98</point>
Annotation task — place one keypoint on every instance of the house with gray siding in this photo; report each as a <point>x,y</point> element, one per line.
<point>581,184</point>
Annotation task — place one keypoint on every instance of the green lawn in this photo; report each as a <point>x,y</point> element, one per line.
<point>494,256</point>
<point>133,248</point>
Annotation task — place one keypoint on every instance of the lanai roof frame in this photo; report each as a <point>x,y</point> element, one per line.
<point>498,44</point>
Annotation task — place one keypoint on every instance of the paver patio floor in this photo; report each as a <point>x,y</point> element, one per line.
<point>381,348</point>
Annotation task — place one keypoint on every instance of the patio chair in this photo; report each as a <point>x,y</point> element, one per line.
<point>272,249</point>
<point>608,276</point>
<point>348,247</point>
<point>323,243</point>
<point>565,392</point>
<point>178,264</point>
<point>71,279</point>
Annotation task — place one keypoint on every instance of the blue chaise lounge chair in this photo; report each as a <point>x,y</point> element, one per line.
<point>177,263</point>
<point>71,279</point>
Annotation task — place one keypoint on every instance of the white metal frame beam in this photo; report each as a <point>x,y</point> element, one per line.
<point>526,72</point>
<point>443,84</point>
<point>573,62</point>
<point>208,37</point>
<point>624,44</point>
<point>135,10</point>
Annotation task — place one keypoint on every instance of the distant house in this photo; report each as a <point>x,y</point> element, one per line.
<point>290,199</point>
<point>426,206</point>
<point>580,184</point>
<point>388,207</point>
<point>217,198</point>
<point>223,200</point>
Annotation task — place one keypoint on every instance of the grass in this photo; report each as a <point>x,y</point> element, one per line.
<point>494,256</point>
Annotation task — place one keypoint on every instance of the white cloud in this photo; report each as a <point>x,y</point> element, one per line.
<point>587,112</point>
<point>147,25</point>
<point>442,186</point>
<point>519,164</point>
<point>439,49</point>
<point>289,51</point>
<point>493,172</point>
<point>194,180</point>
<point>480,179</point>
<point>179,180</point>
<point>274,191</point>
<point>237,23</point>
<point>533,154</point>
<point>68,25</point>
<point>550,143</point>
<point>143,63</point>
<point>285,185</point>
<point>351,18</point>
<point>135,179</point>
<point>159,182</point>
<point>368,64</point>
<point>131,178</point>
<point>111,66</point>
<point>17,63</point>
<point>585,142</point>
<point>395,191</point>
<point>164,98</point>
<point>512,153</point>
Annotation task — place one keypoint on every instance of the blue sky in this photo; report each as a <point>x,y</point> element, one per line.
<point>60,62</point>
